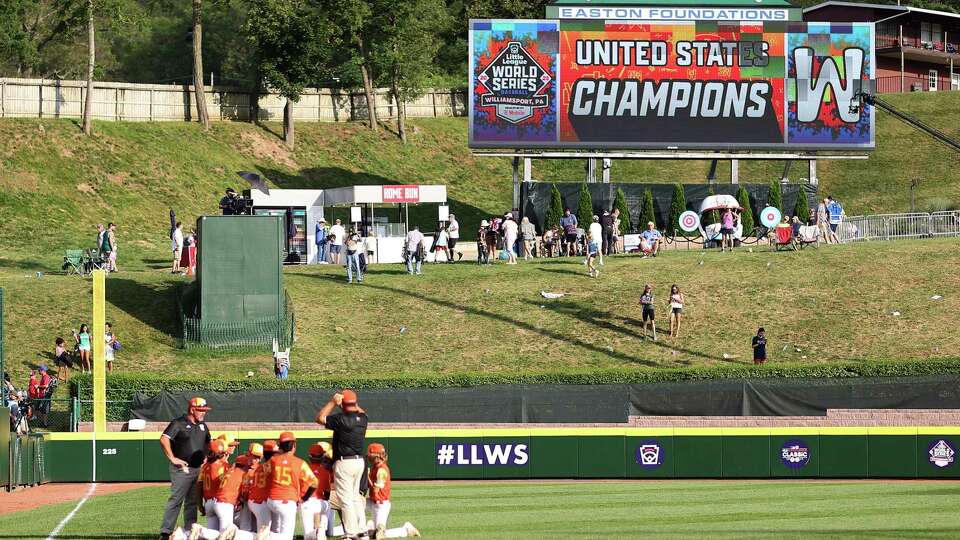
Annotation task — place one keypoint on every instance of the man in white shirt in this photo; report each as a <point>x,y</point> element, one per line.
<point>176,244</point>
<point>453,234</point>
<point>596,235</point>
<point>413,241</point>
<point>510,230</point>
<point>336,246</point>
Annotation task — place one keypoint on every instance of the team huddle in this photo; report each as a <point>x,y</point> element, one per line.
<point>259,496</point>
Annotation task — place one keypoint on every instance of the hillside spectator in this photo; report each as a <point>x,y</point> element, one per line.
<point>550,241</point>
<point>676,310</point>
<point>453,233</point>
<point>320,237</point>
<point>823,220</point>
<point>647,311</point>
<point>726,230</point>
<point>615,238</point>
<point>110,345</point>
<point>483,257</point>
<point>106,247</point>
<point>606,222</point>
<point>759,347</point>
<point>593,251</point>
<point>353,245</point>
<point>414,244</point>
<point>652,238</point>
<point>440,240</point>
<point>569,224</point>
<point>176,244</point>
<point>596,234</point>
<point>61,359</point>
<point>490,240</point>
<point>44,393</point>
<point>101,230</point>
<point>528,233</point>
<point>33,387</point>
<point>83,347</point>
<point>338,234</point>
<point>510,234</point>
<point>111,239</point>
<point>836,217</point>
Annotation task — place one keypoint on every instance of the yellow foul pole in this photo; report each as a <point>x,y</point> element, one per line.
<point>99,365</point>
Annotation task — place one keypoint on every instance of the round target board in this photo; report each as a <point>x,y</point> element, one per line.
<point>770,216</point>
<point>689,221</point>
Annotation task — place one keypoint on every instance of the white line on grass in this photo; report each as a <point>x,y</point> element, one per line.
<point>67,519</point>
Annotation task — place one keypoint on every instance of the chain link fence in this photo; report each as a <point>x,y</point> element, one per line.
<point>255,333</point>
<point>899,226</point>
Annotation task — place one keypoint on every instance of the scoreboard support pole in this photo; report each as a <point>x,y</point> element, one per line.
<point>99,364</point>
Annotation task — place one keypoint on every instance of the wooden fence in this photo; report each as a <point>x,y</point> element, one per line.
<point>40,98</point>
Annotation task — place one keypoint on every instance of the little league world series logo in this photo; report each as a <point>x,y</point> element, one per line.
<point>649,455</point>
<point>795,454</point>
<point>514,80</point>
<point>941,453</point>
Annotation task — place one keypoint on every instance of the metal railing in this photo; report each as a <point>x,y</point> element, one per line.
<point>899,226</point>
<point>27,467</point>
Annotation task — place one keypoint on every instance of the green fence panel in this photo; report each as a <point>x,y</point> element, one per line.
<point>698,456</point>
<point>69,461</point>
<point>937,456</point>
<point>843,456</point>
<point>458,457</point>
<point>649,457</point>
<point>555,457</point>
<point>746,456</point>
<point>510,457</point>
<point>413,458</point>
<point>119,460</point>
<point>156,467</point>
<point>795,456</point>
<point>602,457</point>
<point>892,456</point>
<point>4,445</point>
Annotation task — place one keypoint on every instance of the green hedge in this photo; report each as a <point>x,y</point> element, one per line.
<point>121,388</point>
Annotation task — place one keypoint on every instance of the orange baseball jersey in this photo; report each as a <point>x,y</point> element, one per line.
<point>210,475</point>
<point>288,477</point>
<point>258,485</point>
<point>229,490</point>
<point>379,479</point>
<point>323,480</point>
<point>249,477</point>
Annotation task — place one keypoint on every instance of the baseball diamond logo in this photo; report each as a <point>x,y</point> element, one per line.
<point>941,453</point>
<point>795,454</point>
<point>514,81</point>
<point>649,455</point>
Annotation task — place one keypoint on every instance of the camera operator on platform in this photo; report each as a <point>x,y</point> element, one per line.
<point>228,204</point>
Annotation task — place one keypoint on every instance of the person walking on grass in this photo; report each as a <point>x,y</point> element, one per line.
<point>336,244</point>
<point>510,230</point>
<point>453,235</point>
<point>176,244</point>
<point>482,255</point>
<point>353,245</point>
<point>836,217</point>
<point>596,232</point>
<point>726,230</point>
<point>823,220</point>
<point>320,237</point>
<point>529,234</point>
<point>593,251</point>
<point>569,224</point>
<point>759,343</point>
<point>414,246</point>
<point>676,310</point>
<point>646,313</point>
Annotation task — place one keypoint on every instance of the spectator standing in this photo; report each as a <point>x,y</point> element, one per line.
<point>652,237</point>
<point>33,394</point>
<point>44,392</point>
<point>596,234</point>
<point>83,346</point>
<point>353,245</point>
<point>836,217</point>
<point>349,441</point>
<point>320,237</point>
<point>549,241</point>
<point>184,442</point>
<point>646,313</point>
<point>569,224</point>
<point>414,244</point>
<point>482,256</point>
<point>726,230</point>
<point>453,235</point>
<point>676,310</point>
<point>440,241</point>
<point>101,230</point>
<point>510,230</point>
<point>491,239</point>
<point>176,244</point>
<point>823,220</point>
<point>759,347</point>
<point>110,345</point>
<point>111,238</point>
<point>106,248</point>
<point>336,243</point>
<point>61,359</point>
<point>606,221</point>
<point>528,232</point>
<point>615,239</point>
<point>593,250</point>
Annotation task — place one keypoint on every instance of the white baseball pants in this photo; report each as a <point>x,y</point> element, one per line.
<point>283,517</point>
<point>308,512</point>
<point>261,513</point>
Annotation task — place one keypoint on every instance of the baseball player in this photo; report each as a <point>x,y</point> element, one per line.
<point>244,518</point>
<point>378,503</point>
<point>224,502</point>
<point>315,512</point>
<point>229,442</point>
<point>290,482</point>
<point>257,498</point>
<point>212,474</point>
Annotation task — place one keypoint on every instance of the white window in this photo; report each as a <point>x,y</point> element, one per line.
<point>932,80</point>
<point>931,32</point>
<point>955,82</point>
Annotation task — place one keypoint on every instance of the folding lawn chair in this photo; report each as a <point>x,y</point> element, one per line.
<point>94,260</point>
<point>783,238</point>
<point>809,236</point>
<point>73,262</point>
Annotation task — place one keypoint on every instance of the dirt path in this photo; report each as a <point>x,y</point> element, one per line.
<point>47,494</point>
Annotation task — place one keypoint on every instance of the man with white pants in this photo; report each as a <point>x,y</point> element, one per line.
<point>315,511</point>
<point>349,442</point>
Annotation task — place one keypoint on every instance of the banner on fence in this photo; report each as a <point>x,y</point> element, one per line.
<point>713,85</point>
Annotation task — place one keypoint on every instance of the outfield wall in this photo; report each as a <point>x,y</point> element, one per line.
<point>818,452</point>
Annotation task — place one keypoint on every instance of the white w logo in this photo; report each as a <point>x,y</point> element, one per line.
<point>810,98</point>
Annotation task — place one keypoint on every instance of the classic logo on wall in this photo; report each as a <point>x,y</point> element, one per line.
<point>795,453</point>
<point>649,455</point>
<point>515,82</point>
<point>941,453</point>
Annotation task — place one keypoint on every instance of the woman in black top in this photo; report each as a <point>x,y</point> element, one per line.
<point>646,302</point>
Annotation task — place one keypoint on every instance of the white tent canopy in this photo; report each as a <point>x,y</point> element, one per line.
<point>719,202</point>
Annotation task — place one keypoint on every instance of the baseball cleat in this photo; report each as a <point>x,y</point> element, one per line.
<point>264,533</point>
<point>380,532</point>
<point>196,532</point>
<point>178,534</point>
<point>411,530</point>
<point>229,533</point>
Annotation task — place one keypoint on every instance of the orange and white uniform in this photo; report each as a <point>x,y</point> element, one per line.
<point>212,474</point>
<point>288,479</point>
<point>257,495</point>
<point>317,504</point>
<point>378,504</point>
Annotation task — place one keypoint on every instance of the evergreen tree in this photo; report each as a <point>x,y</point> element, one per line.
<point>712,216</point>
<point>620,202</point>
<point>746,216</point>
<point>775,197</point>
<point>677,207</point>
<point>556,208</point>
<point>801,210</point>
<point>646,213</point>
<point>585,208</point>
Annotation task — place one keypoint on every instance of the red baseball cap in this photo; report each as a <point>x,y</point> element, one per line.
<point>270,446</point>
<point>376,448</point>
<point>287,436</point>
<point>349,397</point>
<point>242,460</point>
<point>199,404</point>
<point>217,446</point>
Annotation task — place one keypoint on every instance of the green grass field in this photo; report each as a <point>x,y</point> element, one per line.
<point>640,509</point>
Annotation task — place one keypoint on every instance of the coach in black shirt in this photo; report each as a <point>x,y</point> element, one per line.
<point>184,442</point>
<point>349,441</point>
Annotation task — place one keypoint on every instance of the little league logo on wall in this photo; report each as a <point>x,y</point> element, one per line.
<point>795,454</point>
<point>514,81</point>
<point>649,455</point>
<point>941,453</point>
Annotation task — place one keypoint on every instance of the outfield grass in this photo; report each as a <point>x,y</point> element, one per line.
<point>640,509</point>
<point>835,303</point>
